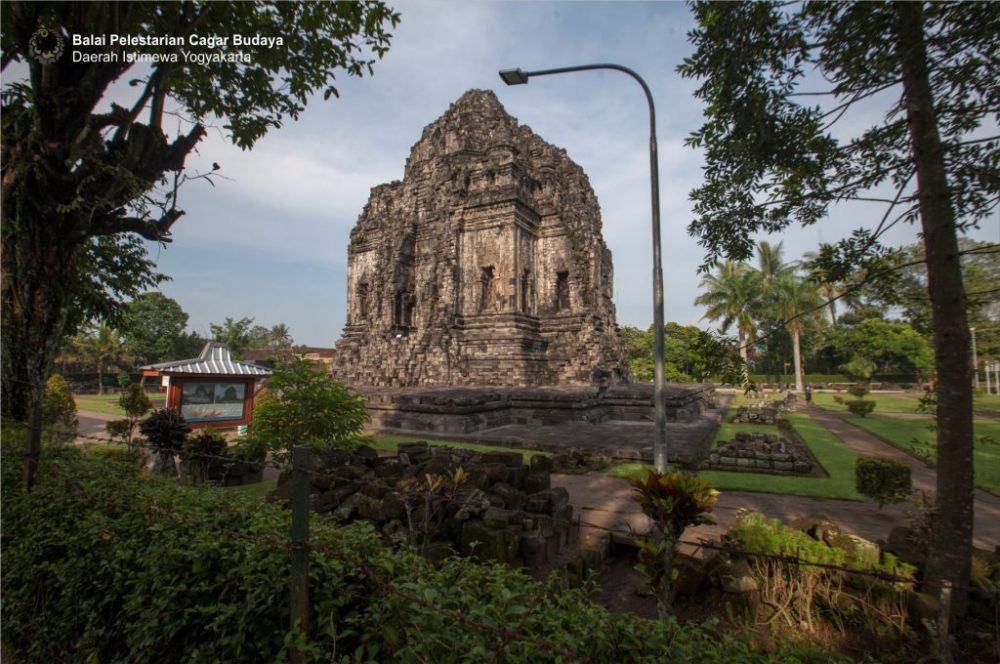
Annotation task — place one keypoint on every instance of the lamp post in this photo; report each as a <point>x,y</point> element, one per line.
<point>519,77</point>
<point>975,360</point>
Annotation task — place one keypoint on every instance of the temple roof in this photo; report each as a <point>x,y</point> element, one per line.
<point>215,359</point>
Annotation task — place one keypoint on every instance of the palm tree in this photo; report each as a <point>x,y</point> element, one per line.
<point>731,297</point>
<point>795,304</point>
<point>829,290</point>
<point>101,345</point>
<point>771,267</point>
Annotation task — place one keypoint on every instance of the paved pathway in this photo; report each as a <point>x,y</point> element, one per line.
<point>607,501</point>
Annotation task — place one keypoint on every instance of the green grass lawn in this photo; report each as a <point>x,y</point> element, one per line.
<point>910,435</point>
<point>885,403</point>
<point>108,403</point>
<point>987,402</point>
<point>727,431</point>
<point>835,457</point>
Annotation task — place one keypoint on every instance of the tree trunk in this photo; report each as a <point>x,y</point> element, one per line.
<point>950,550</point>
<point>100,374</point>
<point>35,271</point>
<point>742,339</point>
<point>797,358</point>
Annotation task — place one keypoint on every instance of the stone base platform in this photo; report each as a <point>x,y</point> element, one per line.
<point>616,421</point>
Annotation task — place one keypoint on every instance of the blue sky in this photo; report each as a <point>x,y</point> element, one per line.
<point>270,241</point>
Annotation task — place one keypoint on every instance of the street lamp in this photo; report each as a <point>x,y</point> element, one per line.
<point>975,360</point>
<point>519,77</point>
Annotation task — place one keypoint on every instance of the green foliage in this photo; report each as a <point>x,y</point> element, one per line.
<point>132,568</point>
<point>875,345</point>
<point>116,453</point>
<point>236,334</point>
<point>753,531</point>
<point>154,328</point>
<point>306,406</point>
<point>673,500</point>
<point>165,431</point>
<point>884,480</point>
<point>206,441</point>
<point>860,407</point>
<point>75,220</point>
<point>859,390</point>
<point>135,402</point>
<point>59,409</point>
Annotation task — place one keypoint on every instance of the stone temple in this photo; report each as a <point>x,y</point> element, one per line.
<point>484,266</point>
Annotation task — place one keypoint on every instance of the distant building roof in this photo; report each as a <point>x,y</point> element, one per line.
<point>215,358</point>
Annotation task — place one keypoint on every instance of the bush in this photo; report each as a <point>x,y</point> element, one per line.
<point>165,431</point>
<point>59,410</point>
<point>673,500</point>
<point>306,406</point>
<point>860,407</point>
<point>134,401</point>
<point>859,390</point>
<point>884,480</point>
<point>140,569</point>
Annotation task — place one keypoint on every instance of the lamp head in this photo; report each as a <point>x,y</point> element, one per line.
<point>513,76</point>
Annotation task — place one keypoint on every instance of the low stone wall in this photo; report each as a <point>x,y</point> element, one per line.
<point>470,409</point>
<point>761,452</point>
<point>504,509</point>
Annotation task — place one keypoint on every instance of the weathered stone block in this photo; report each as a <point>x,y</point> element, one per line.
<point>510,459</point>
<point>535,482</point>
<point>511,497</point>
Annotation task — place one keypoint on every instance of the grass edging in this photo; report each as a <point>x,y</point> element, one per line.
<point>907,435</point>
<point>836,458</point>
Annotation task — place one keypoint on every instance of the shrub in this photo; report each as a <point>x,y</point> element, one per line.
<point>800,593</point>
<point>200,453</point>
<point>116,453</point>
<point>306,406</point>
<point>673,500</point>
<point>59,410</point>
<point>860,407</point>
<point>858,390</point>
<point>165,431</point>
<point>140,569</point>
<point>134,401</point>
<point>884,480</point>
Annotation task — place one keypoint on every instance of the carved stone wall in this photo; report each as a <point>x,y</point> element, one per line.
<point>484,266</point>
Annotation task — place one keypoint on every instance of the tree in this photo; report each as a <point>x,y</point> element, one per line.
<point>102,347</point>
<point>279,337</point>
<point>795,303</point>
<point>134,401</point>
<point>59,410</point>
<point>304,405</point>
<point>165,431</point>
<point>731,296</point>
<point>238,335</point>
<point>881,346</point>
<point>81,188</point>
<point>153,328</point>
<point>773,159</point>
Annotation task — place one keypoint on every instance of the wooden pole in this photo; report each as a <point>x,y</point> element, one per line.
<point>300,542</point>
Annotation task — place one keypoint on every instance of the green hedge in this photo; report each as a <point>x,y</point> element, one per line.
<point>131,568</point>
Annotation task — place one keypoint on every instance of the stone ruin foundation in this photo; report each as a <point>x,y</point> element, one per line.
<point>755,451</point>
<point>769,413</point>
<point>506,510</point>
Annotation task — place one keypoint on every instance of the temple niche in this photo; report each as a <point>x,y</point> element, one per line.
<point>484,266</point>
